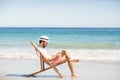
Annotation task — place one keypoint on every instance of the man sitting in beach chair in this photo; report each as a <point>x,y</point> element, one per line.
<point>60,57</point>
<point>52,61</point>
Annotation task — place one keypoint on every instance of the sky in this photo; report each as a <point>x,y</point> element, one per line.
<point>59,13</point>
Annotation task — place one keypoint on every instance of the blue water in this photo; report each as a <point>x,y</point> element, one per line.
<point>80,38</point>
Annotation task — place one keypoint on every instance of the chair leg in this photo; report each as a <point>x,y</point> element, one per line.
<point>56,70</point>
<point>42,65</point>
<point>33,73</point>
<point>60,75</point>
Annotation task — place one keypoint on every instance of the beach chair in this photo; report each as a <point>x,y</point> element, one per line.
<point>44,61</point>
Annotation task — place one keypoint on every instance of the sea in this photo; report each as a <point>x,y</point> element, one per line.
<point>96,44</point>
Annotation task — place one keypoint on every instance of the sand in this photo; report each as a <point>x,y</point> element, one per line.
<point>16,69</point>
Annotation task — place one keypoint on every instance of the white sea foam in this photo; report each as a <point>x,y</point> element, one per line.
<point>82,54</point>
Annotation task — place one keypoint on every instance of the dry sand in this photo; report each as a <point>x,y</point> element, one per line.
<point>17,69</point>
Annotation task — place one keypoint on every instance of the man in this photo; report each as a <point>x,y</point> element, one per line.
<point>60,57</point>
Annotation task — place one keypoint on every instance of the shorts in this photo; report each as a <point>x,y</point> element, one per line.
<point>58,60</point>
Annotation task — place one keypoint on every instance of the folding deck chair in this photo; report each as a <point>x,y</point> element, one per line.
<point>43,60</point>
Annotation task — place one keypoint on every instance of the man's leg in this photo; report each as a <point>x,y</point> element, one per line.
<point>70,64</point>
<point>67,56</point>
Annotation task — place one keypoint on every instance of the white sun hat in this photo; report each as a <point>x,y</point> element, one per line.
<point>44,38</point>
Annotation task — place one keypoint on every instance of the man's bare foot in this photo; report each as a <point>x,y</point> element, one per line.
<point>74,60</point>
<point>75,76</point>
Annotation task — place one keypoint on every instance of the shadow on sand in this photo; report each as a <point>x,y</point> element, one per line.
<point>37,76</point>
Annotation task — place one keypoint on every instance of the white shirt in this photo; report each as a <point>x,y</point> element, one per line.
<point>44,52</point>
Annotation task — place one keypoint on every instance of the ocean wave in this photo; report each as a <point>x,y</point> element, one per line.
<point>83,54</point>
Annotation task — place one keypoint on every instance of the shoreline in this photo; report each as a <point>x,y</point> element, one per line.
<point>86,61</point>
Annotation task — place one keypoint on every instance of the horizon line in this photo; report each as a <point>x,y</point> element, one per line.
<point>53,27</point>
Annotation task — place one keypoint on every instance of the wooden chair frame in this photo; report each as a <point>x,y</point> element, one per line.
<point>43,60</point>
